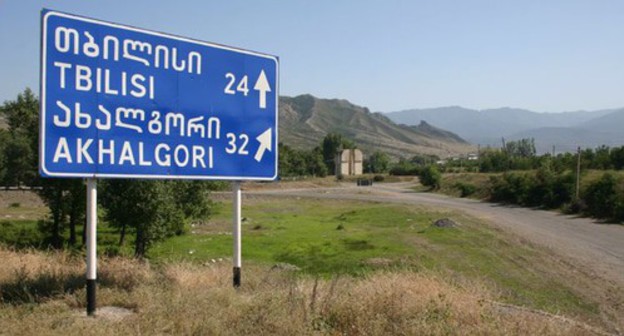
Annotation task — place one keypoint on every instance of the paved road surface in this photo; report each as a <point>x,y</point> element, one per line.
<point>596,247</point>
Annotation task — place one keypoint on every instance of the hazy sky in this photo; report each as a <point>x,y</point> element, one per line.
<point>547,56</point>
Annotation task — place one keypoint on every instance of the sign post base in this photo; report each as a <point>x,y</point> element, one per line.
<point>237,277</point>
<point>90,297</point>
<point>236,233</point>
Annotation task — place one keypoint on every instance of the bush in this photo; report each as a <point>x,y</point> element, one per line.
<point>601,198</point>
<point>404,168</point>
<point>465,189</point>
<point>431,177</point>
<point>378,178</point>
<point>510,188</point>
<point>559,189</point>
<point>544,188</point>
<point>575,207</point>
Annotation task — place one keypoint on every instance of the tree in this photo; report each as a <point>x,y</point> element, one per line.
<point>65,198</point>
<point>424,159</point>
<point>602,158</point>
<point>331,145</point>
<point>293,162</point>
<point>493,161</point>
<point>155,210</point>
<point>193,199</point>
<point>52,196</point>
<point>404,168</point>
<point>523,148</point>
<point>19,161</point>
<point>21,148</point>
<point>76,203</point>
<point>377,163</point>
<point>4,139</point>
<point>284,159</point>
<point>147,207</point>
<point>617,157</point>
<point>314,163</point>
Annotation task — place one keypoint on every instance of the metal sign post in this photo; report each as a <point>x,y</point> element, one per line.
<point>91,244</point>
<point>124,102</point>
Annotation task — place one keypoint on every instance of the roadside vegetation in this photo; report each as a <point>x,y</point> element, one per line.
<point>516,175</point>
<point>46,298</point>
<point>314,267</point>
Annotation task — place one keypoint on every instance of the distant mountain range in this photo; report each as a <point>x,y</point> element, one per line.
<point>305,120</point>
<point>565,131</point>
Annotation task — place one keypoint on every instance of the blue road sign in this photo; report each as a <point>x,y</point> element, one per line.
<point>119,101</point>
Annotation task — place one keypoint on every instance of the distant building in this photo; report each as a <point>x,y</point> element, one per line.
<point>349,162</point>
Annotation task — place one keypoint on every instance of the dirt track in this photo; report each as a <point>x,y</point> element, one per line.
<point>595,248</point>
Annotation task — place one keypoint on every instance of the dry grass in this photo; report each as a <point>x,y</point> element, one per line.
<point>25,198</point>
<point>293,183</point>
<point>21,205</point>
<point>190,299</point>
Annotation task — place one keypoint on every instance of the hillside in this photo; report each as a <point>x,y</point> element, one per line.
<point>565,130</point>
<point>612,122</point>
<point>305,120</point>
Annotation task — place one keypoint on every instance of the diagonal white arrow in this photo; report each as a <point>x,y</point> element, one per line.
<point>262,86</point>
<point>266,141</point>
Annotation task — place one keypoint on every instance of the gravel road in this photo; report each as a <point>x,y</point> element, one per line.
<point>594,247</point>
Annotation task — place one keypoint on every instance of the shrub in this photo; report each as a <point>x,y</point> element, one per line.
<point>431,177</point>
<point>511,188</point>
<point>378,178</point>
<point>601,198</point>
<point>465,189</point>
<point>404,168</point>
<point>559,190</point>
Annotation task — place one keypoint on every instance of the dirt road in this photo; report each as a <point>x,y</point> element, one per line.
<point>597,248</point>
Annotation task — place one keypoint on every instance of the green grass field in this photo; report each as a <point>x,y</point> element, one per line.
<point>328,238</point>
<point>325,238</point>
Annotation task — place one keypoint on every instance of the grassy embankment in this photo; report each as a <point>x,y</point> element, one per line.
<point>378,268</point>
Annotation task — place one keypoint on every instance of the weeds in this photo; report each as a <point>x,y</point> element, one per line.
<point>192,299</point>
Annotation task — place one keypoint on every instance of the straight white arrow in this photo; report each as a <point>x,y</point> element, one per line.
<point>262,86</point>
<point>266,141</point>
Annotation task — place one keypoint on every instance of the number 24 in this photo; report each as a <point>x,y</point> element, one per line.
<point>241,87</point>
